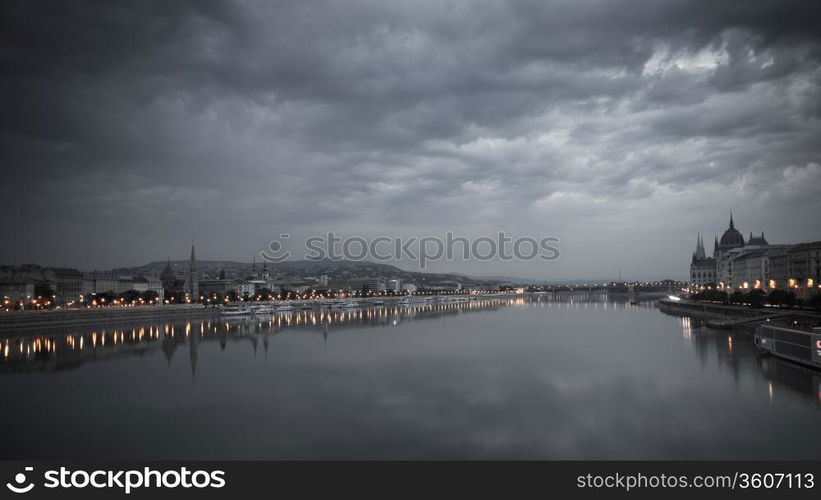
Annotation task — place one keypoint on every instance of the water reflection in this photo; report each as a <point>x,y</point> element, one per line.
<point>734,352</point>
<point>25,352</point>
<point>539,376</point>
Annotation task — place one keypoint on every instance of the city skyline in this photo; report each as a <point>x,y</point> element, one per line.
<point>239,234</point>
<point>623,132</point>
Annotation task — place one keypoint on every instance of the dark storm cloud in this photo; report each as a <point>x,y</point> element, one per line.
<point>127,128</point>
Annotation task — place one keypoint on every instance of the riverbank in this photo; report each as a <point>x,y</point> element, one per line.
<point>23,320</point>
<point>31,320</point>
<point>732,316</point>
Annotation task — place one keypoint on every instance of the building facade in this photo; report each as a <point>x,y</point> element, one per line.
<point>187,285</point>
<point>739,265</point>
<point>702,268</point>
<point>68,284</point>
<point>803,268</point>
<point>15,290</point>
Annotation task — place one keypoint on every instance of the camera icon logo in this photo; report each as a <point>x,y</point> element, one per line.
<point>20,479</point>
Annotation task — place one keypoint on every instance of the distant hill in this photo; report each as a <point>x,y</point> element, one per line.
<point>336,270</point>
<point>511,279</point>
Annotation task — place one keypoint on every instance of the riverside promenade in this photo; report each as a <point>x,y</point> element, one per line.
<point>23,320</point>
<point>732,316</point>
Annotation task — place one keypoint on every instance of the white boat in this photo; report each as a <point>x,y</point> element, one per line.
<point>262,308</point>
<point>286,308</point>
<point>350,305</point>
<point>414,300</point>
<point>236,310</point>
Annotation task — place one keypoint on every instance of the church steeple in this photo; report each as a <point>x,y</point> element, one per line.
<point>168,277</point>
<point>732,225</point>
<point>700,254</point>
<point>193,280</point>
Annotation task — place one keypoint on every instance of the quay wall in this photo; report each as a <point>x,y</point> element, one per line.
<point>707,310</point>
<point>30,320</point>
<point>730,316</point>
<point>17,320</point>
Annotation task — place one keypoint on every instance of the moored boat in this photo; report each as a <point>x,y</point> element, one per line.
<point>414,300</point>
<point>241,309</point>
<point>799,346</point>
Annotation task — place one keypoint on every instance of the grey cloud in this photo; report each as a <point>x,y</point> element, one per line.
<point>423,116</point>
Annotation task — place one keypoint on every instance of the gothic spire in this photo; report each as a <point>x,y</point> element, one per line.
<point>732,225</point>
<point>700,254</point>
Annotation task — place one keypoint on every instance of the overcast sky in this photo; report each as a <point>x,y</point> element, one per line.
<point>622,128</point>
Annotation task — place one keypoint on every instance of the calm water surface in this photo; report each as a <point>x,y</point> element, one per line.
<point>510,378</point>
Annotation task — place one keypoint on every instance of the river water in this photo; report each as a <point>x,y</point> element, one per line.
<point>504,378</point>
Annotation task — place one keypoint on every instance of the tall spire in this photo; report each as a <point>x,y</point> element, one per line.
<point>732,225</point>
<point>700,254</point>
<point>193,279</point>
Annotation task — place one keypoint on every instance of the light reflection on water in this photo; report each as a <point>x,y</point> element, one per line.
<point>32,352</point>
<point>520,377</point>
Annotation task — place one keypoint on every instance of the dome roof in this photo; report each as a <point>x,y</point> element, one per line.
<point>732,237</point>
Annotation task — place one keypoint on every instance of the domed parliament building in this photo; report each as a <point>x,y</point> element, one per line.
<point>739,264</point>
